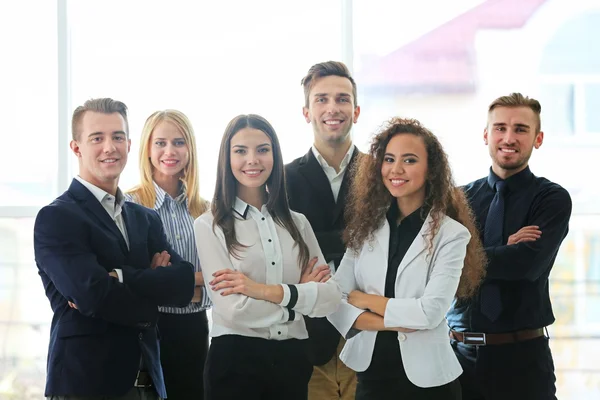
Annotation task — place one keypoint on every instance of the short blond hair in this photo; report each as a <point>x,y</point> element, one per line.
<point>102,105</point>
<point>518,100</point>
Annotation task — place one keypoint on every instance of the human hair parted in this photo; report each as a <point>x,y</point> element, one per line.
<point>369,199</point>
<point>101,105</point>
<point>321,70</point>
<point>226,190</point>
<point>519,100</point>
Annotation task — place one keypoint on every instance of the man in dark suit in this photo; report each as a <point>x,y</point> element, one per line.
<point>106,265</point>
<point>317,184</point>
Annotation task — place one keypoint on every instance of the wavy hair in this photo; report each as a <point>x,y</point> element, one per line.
<point>226,189</point>
<point>144,192</point>
<point>370,200</point>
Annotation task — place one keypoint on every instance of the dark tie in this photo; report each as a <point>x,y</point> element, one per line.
<point>491,304</point>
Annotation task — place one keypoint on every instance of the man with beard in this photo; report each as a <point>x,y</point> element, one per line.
<point>498,335</point>
<point>317,185</point>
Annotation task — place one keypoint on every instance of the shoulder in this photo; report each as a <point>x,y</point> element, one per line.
<point>293,166</point>
<point>451,228</point>
<point>204,221</point>
<point>548,188</point>
<point>474,186</point>
<point>300,220</point>
<point>131,197</point>
<point>60,209</point>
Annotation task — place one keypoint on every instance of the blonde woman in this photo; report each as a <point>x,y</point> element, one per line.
<point>169,185</point>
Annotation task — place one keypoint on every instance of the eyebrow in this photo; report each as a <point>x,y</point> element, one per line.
<point>245,147</point>
<point>403,155</point>
<point>518,124</point>
<point>102,133</point>
<point>336,94</point>
<point>161,138</point>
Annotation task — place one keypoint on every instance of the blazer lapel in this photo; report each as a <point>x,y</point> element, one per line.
<point>87,200</point>
<point>382,236</point>
<point>315,176</point>
<point>345,188</point>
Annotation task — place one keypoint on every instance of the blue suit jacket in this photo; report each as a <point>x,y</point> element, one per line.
<point>95,350</point>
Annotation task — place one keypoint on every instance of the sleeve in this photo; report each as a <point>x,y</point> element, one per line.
<point>64,254</point>
<point>346,314</point>
<point>429,310</point>
<point>237,309</point>
<point>166,286</point>
<point>312,299</point>
<point>530,260</point>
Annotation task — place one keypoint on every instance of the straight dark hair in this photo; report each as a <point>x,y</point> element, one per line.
<point>226,189</point>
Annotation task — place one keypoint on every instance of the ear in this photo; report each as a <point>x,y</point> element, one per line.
<point>306,114</point>
<point>356,114</point>
<point>75,148</point>
<point>128,145</point>
<point>539,139</point>
<point>485,136</point>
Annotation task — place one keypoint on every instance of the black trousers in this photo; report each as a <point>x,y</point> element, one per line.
<point>183,350</point>
<point>516,371</point>
<point>240,367</point>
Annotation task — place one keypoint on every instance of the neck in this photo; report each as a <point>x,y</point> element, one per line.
<point>108,186</point>
<point>333,152</point>
<point>506,173</point>
<point>255,196</point>
<point>169,184</point>
<point>408,205</point>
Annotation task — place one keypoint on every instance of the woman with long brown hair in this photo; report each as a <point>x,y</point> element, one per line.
<point>412,248</point>
<point>258,258</point>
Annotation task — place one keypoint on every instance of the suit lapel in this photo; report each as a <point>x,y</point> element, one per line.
<point>130,220</point>
<point>88,201</point>
<point>345,188</point>
<point>382,236</point>
<point>315,176</point>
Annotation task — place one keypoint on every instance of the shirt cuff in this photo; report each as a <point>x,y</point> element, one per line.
<point>119,272</point>
<point>286,295</point>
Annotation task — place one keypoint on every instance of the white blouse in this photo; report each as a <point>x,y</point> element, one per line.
<point>271,258</point>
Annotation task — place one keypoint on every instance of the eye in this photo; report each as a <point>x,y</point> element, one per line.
<point>239,151</point>
<point>119,138</point>
<point>96,139</point>
<point>179,143</point>
<point>500,128</point>
<point>388,159</point>
<point>410,160</point>
<point>345,100</point>
<point>160,143</point>
<point>321,99</point>
<point>264,150</point>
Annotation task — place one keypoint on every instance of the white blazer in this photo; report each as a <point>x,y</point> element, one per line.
<point>426,283</point>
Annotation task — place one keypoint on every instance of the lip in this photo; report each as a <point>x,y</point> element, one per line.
<point>334,122</point>
<point>397,182</point>
<point>505,150</point>
<point>253,173</point>
<point>170,162</point>
<point>109,161</point>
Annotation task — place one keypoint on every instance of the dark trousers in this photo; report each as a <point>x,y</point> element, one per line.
<point>397,389</point>
<point>516,371</point>
<point>240,367</point>
<point>183,350</point>
<point>133,394</point>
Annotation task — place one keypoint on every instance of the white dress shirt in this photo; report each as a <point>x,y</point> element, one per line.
<point>335,178</point>
<point>270,257</point>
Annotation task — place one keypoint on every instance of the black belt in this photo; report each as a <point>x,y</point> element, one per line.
<point>483,339</point>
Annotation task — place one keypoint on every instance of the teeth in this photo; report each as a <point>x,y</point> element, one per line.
<point>508,150</point>
<point>170,162</point>
<point>336,122</point>
<point>397,182</point>
<point>109,160</point>
<point>252,173</point>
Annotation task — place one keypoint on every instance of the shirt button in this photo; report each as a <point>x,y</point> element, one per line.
<point>141,336</point>
<point>270,240</point>
<point>279,332</point>
<point>370,248</point>
<point>173,215</point>
<point>263,218</point>
<point>177,237</point>
<point>272,262</point>
<point>401,337</point>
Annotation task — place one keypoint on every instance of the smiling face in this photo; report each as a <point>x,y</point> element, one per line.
<point>169,153</point>
<point>404,171</point>
<point>511,135</point>
<point>251,159</point>
<point>331,110</point>
<point>102,147</point>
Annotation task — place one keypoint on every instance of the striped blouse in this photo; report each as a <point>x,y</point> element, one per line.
<point>179,227</point>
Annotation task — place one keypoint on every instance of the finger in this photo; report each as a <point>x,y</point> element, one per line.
<point>225,285</point>
<point>321,275</point>
<point>326,278</point>
<point>227,276</point>
<point>223,271</point>
<point>525,240</point>
<point>234,290</point>
<point>312,263</point>
<point>320,268</point>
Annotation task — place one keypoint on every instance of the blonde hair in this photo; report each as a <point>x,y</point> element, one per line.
<point>516,99</point>
<point>145,193</point>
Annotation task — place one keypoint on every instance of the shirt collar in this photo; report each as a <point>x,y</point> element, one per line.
<point>516,182</point>
<point>343,164</point>
<point>413,221</point>
<point>161,194</point>
<point>101,194</point>
<point>240,207</point>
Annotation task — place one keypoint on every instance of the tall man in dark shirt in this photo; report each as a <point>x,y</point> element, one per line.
<point>317,184</point>
<point>499,335</point>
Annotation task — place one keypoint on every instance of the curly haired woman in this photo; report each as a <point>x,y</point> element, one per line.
<point>412,248</point>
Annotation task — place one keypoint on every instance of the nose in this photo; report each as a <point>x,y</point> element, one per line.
<point>332,107</point>
<point>510,137</point>
<point>169,148</point>
<point>109,146</point>
<point>252,158</point>
<point>398,167</point>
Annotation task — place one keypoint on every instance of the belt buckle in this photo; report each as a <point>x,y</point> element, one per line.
<point>475,338</point>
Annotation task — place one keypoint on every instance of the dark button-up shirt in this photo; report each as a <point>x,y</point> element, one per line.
<point>520,270</point>
<point>386,362</point>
